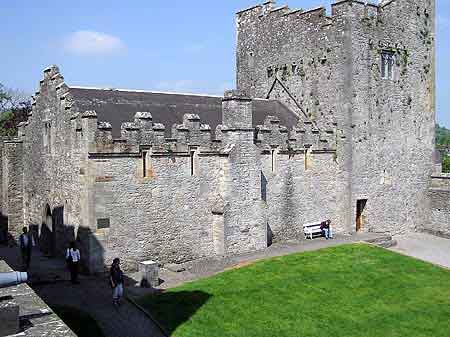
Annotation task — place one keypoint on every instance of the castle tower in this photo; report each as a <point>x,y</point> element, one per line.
<point>369,68</point>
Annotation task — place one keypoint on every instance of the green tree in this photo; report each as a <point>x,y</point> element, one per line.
<point>442,143</point>
<point>5,98</point>
<point>14,108</point>
<point>446,164</point>
<point>442,136</point>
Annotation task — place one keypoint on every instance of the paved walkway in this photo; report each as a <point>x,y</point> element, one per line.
<point>50,280</point>
<point>425,247</point>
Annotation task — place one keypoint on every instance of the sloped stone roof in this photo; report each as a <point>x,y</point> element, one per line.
<point>119,106</point>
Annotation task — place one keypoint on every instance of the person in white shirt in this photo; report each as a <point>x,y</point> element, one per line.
<point>73,259</point>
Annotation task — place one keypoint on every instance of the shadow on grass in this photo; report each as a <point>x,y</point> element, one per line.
<point>173,308</point>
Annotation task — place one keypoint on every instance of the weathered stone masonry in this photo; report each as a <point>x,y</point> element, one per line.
<point>195,194</point>
<point>329,69</point>
<point>318,125</point>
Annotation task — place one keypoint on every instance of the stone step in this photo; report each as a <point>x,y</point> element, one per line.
<point>381,238</point>
<point>385,241</point>
<point>388,244</point>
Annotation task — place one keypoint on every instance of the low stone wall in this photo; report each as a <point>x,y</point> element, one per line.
<point>35,318</point>
<point>439,195</point>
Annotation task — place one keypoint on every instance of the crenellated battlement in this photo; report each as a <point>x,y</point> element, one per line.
<point>303,135</point>
<point>144,132</point>
<point>193,133</point>
<point>265,13</point>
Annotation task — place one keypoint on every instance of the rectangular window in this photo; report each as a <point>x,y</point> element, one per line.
<point>103,223</point>
<point>251,60</point>
<point>294,69</point>
<point>387,65</point>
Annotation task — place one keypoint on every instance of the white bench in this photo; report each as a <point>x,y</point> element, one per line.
<point>311,229</point>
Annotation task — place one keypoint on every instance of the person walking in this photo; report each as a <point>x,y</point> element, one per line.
<point>73,259</point>
<point>26,244</point>
<point>116,279</point>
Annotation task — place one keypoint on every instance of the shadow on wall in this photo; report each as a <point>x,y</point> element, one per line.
<point>173,308</point>
<point>92,251</point>
<point>54,237</point>
<point>269,235</point>
<point>4,237</point>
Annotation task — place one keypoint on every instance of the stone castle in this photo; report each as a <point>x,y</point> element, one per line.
<point>333,118</point>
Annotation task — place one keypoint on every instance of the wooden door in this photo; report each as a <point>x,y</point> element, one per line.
<point>360,206</point>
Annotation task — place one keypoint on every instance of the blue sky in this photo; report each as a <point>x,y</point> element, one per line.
<point>176,45</point>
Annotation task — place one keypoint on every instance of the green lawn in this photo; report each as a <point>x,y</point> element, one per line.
<point>78,321</point>
<point>351,290</point>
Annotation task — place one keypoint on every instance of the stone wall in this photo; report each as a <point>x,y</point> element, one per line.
<point>50,161</point>
<point>32,316</point>
<point>12,185</point>
<point>166,217</point>
<point>173,199</point>
<point>194,195</point>
<point>301,188</point>
<point>300,177</point>
<point>439,194</point>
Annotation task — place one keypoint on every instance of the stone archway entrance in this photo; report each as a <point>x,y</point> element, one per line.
<point>47,233</point>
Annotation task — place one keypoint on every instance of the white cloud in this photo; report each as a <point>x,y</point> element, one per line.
<point>86,42</point>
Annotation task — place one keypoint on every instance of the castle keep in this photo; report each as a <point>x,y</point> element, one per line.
<point>333,118</point>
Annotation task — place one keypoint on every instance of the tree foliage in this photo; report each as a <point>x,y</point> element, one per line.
<point>446,164</point>
<point>442,136</point>
<point>442,144</point>
<point>14,108</point>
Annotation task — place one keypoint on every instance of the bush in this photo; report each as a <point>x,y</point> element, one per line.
<point>446,164</point>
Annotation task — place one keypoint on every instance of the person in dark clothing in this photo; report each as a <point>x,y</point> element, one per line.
<point>326,229</point>
<point>26,244</point>
<point>73,260</point>
<point>116,280</point>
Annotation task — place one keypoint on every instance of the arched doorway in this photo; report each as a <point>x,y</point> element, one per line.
<point>47,233</point>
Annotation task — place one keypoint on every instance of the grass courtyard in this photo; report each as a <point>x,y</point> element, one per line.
<point>351,290</point>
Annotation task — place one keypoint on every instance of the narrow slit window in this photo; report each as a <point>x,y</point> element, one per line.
<point>274,160</point>
<point>194,161</point>
<point>263,187</point>
<point>47,137</point>
<point>144,164</point>
<point>306,159</point>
